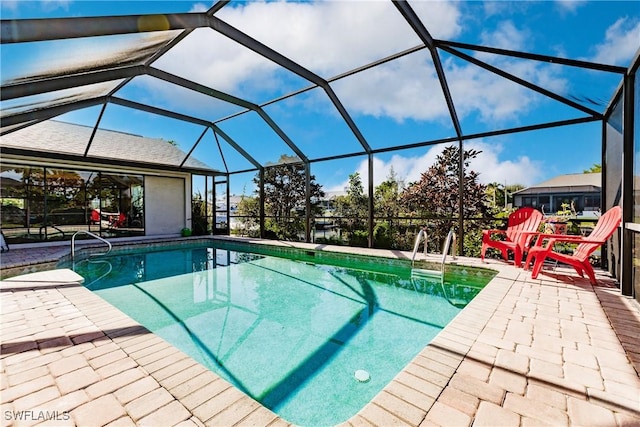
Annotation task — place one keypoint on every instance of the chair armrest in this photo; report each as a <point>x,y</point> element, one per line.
<point>552,239</point>
<point>563,237</point>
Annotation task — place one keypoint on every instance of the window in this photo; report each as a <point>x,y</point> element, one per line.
<point>592,203</point>
<point>40,204</point>
<point>530,201</point>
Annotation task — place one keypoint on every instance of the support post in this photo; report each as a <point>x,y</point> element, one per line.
<point>626,246</point>
<point>370,192</point>
<point>307,210</point>
<point>461,187</point>
<point>261,190</point>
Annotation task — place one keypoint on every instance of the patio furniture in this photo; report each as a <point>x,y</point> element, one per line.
<point>3,243</point>
<point>579,260</point>
<point>118,221</point>
<point>95,216</point>
<point>521,226</point>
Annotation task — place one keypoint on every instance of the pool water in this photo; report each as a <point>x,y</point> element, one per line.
<point>289,333</point>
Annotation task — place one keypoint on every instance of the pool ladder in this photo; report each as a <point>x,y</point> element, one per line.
<point>449,245</point>
<point>73,243</point>
<point>423,236</point>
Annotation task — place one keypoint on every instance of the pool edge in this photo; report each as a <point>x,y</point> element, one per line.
<point>438,349</point>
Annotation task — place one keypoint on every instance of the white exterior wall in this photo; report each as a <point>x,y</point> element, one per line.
<point>166,204</point>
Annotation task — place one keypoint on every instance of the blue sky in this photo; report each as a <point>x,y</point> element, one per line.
<point>395,104</point>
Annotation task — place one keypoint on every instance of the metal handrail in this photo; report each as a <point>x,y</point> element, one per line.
<point>421,235</point>
<point>73,243</point>
<point>450,237</point>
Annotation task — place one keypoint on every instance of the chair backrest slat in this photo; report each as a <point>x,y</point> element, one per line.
<point>523,219</point>
<point>605,227</point>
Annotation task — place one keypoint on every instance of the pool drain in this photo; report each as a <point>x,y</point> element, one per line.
<point>362,376</point>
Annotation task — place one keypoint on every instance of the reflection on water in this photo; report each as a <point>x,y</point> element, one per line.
<point>290,334</point>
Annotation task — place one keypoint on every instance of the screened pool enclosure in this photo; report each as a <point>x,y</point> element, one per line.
<point>338,122</point>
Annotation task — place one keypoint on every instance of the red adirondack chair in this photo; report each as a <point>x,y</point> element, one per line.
<point>95,217</point>
<point>521,226</point>
<point>579,260</point>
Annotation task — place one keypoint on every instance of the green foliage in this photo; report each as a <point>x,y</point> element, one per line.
<point>285,198</point>
<point>386,207</point>
<point>436,195</point>
<point>472,242</point>
<point>352,209</point>
<point>199,215</point>
<point>385,197</point>
<point>249,216</point>
<point>359,238</point>
<point>383,236</point>
<point>565,210</point>
<point>282,230</point>
<point>331,240</point>
<point>433,200</point>
<point>593,169</point>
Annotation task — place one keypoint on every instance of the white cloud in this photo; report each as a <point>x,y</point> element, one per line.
<point>505,36</point>
<point>404,89</point>
<point>409,89</point>
<point>522,170</point>
<point>215,61</point>
<point>320,37</point>
<point>494,98</point>
<point>489,164</point>
<point>497,99</point>
<point>199,8</point>
<point>570,5</point>
<point>442,19</point>
<point>334,36</point>
<point>620,44</point>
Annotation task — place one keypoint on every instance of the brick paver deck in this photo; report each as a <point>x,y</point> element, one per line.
<point>552,351</point>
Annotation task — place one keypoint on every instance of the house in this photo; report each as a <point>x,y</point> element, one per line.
<point>579,192</point>
<point>58,178</point>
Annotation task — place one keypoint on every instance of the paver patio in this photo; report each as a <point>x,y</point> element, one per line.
<point>552,351</point>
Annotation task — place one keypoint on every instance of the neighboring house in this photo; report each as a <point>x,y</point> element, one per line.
<point>328,201</point>
<point>580,191</point>
<point>58,178</point>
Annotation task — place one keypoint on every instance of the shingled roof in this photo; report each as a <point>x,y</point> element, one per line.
<point>61,138</point>
<point>571,183</point>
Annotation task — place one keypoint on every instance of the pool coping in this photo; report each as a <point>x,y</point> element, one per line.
<point>469,373</point>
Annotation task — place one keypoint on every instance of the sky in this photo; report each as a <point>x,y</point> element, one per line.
<point>397,103</point>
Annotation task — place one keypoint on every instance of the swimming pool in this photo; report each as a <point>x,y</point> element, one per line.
<point>314,342</point>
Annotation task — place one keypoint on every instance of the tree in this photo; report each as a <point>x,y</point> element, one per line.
<point>499,196</point>
<point>199,220</point>
<point>436,195</point>
<point>496,195</point>
<point>386,196</point>
<point>387,209</point>
<point>249,212</point>
<point>596,168</point>
<point>352,210</point>
<point>285,197</point>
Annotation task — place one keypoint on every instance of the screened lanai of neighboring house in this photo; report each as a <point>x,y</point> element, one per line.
<point>220,94</point>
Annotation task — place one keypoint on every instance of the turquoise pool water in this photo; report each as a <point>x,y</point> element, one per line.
<point>289,333</point>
